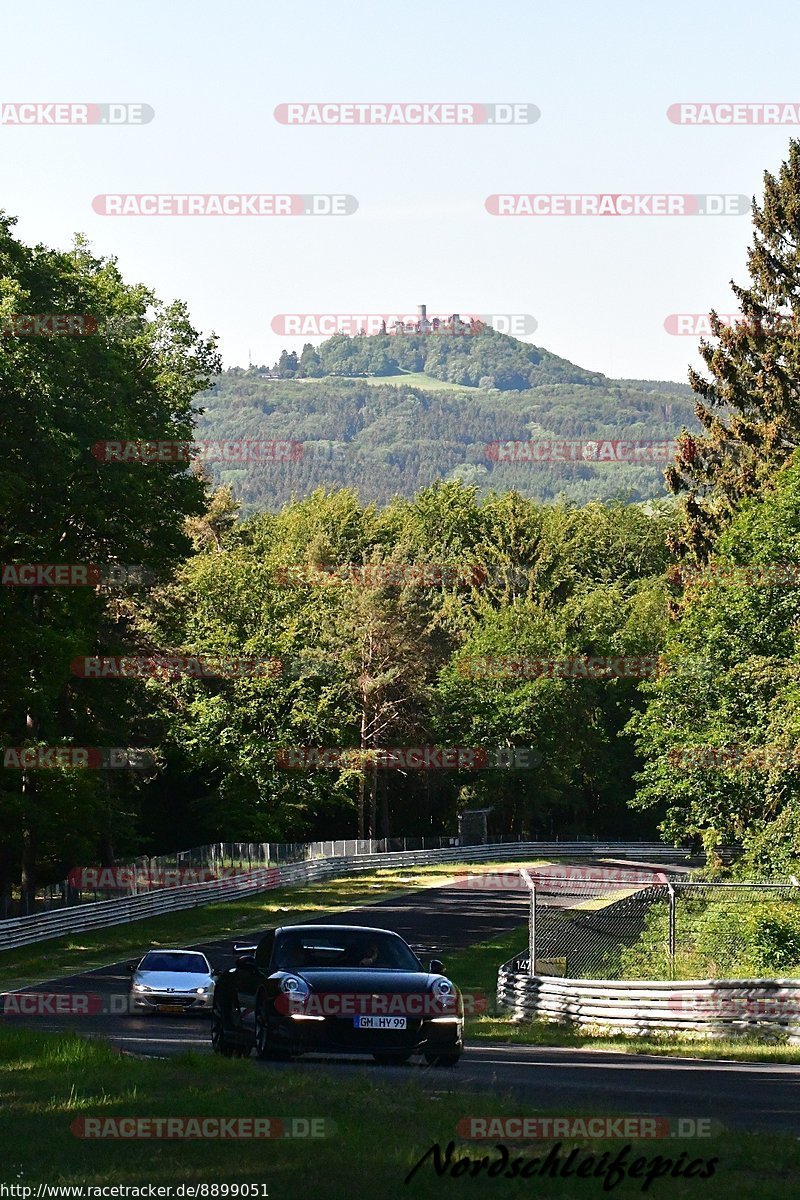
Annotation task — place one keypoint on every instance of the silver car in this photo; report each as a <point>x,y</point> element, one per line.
<point>172,981</point>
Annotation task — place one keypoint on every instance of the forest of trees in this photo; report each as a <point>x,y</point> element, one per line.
<point>388,439</point>
<point>365,653</point>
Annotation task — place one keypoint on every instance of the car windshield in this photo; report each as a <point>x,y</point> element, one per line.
<point>342,949</point>
<point>164,960</point>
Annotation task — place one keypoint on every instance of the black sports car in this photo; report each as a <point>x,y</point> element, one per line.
<point>341,989</point>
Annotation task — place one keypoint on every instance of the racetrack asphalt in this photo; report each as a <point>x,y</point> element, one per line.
<point>436,921</point>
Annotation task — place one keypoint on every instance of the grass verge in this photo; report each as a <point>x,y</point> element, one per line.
<point>382,1130</point>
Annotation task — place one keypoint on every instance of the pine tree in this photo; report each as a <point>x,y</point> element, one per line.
<point>750,405</point>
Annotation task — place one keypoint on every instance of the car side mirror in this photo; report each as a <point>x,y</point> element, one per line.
<point>436,966</point>
<point>131,967</point>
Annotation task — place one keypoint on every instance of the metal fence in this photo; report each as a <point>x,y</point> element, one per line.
<point>203,863</point>
<point>679,930</point>
<point>700,958</point>
<point>35,927</point>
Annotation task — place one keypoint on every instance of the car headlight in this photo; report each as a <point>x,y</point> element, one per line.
<point>202,991</point>
<point>444,994</point>
<point>141,987</point>
<point>294,986</point>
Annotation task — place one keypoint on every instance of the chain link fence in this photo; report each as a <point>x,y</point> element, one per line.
<point>676,930</point>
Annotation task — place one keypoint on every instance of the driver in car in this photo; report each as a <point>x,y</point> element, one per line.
<point>369,957</point>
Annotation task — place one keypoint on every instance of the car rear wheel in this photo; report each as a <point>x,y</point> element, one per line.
<point>442,1060</point>
<point>391,1060</point>
<point>220,1042</point>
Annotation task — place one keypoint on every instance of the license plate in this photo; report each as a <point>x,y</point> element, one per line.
<point>170,1008</point>
<point>379,1022</point>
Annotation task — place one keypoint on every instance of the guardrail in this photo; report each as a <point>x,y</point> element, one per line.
<point>717,1008</point>
<point>179,867</point>
<point>22,931</point>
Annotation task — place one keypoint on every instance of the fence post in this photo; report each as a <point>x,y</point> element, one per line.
<point>671,892</point>
<point>531,921</point>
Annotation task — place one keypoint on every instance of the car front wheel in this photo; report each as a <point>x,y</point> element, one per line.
<point>265,1046</point>
<point>220,1042</point>
<point>442,1060</point>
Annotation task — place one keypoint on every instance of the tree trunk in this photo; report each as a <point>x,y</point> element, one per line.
<point>361,787</point>
<point>6,878</point>
<point>362,782</point>
<point>107,838</point>
<point>27,881</point>
<point>373,790</point>
<point>384,833</point>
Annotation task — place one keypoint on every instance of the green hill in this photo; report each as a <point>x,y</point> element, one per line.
<point>485,359</point>
<point>407,414</point>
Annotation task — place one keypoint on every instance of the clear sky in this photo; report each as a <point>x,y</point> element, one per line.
<point>603,76</point>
